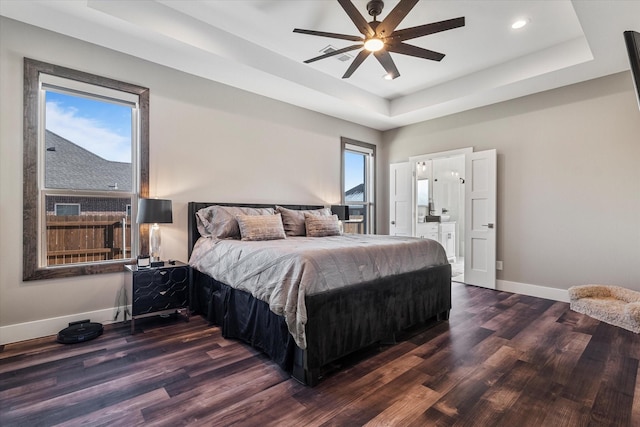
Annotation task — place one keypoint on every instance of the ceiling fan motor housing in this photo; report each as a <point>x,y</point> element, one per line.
<point>374,7</point>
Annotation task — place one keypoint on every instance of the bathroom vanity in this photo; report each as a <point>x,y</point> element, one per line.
<point>443,232</point>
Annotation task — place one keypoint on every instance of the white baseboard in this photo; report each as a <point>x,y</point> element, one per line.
<point>45,327</point>
<point>533,290</point>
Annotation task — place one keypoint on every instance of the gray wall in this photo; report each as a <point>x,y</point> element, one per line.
<point>568,179</point>
<point>208,142</point>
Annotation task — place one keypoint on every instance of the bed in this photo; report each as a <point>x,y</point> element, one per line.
<point>312,327</point>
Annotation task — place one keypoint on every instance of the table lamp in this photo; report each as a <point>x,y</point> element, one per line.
<point>154,211</point>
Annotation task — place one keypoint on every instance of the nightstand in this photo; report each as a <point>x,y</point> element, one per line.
<point>158,290</point>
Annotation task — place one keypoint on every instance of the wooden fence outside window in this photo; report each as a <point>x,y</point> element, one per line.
<point>75,239</point>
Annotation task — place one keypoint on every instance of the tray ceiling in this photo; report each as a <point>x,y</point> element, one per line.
<point>250,45</point>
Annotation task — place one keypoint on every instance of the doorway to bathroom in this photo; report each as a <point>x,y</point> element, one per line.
<point>450,197</point>
<point>439,203</point>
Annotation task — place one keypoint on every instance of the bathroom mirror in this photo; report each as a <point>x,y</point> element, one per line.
<point>423,192</point>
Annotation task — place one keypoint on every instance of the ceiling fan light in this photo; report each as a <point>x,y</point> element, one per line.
<point>519,24</point>
<point>373,44</point>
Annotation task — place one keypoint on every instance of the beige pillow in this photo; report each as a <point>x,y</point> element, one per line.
<point>293,220</point>
<point>322,226</point>
<point>220,221</point>
<point>261,227</point>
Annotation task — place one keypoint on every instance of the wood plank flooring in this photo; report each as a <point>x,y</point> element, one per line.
<point>501,360</point>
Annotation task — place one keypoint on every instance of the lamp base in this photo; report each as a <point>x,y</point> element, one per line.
<point>155,239</point>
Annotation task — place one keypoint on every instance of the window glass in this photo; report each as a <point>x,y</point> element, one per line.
<point>88,143</point>
<point>88,149</point>
<point>354,176</point>
<point>66,209</point>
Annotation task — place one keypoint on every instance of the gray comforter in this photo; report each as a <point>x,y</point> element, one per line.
<point>282,272</point>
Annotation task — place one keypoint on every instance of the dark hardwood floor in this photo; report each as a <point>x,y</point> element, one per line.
<point>502,359</point>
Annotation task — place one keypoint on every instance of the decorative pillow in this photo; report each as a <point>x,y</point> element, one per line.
<point>261,227</point>
<point>220,221</point>
<point>293,220</point>
<point>321,226</point>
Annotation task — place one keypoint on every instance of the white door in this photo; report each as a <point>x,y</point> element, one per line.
<point>400,200</point>
<point>480,219</point>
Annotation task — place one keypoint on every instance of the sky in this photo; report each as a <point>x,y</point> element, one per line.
<point>101,127</point>
<point>353,170</point>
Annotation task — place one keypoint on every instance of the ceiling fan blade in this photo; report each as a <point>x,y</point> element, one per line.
<point>394,17</point>
<point>356,63</point>
<point>333,53</point>
<point>385,60</point>
<point>407,49</point>
<point>424,30</point>
<point>332,35</point>
<point>361,24</point>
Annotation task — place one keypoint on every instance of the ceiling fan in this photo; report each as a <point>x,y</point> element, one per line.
<point>381,37</point>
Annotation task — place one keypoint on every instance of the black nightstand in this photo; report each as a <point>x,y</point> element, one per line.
<point>158,290</point>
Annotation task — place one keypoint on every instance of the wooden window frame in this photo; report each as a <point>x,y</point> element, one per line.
<point>31,191</point>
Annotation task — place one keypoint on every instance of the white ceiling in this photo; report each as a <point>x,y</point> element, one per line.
<point>250,45</point>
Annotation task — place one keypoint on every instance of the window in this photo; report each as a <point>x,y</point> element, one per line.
<point>85,165</point>
<point>65,209</point>
<point>358,185</point>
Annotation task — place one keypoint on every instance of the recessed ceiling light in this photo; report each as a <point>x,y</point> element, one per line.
<point>387,77</point>
<point>519,23</point>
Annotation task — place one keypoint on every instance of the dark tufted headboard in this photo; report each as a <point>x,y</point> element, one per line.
<point>194,207</point>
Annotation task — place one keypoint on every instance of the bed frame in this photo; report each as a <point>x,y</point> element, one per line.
<point>339,322</point>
